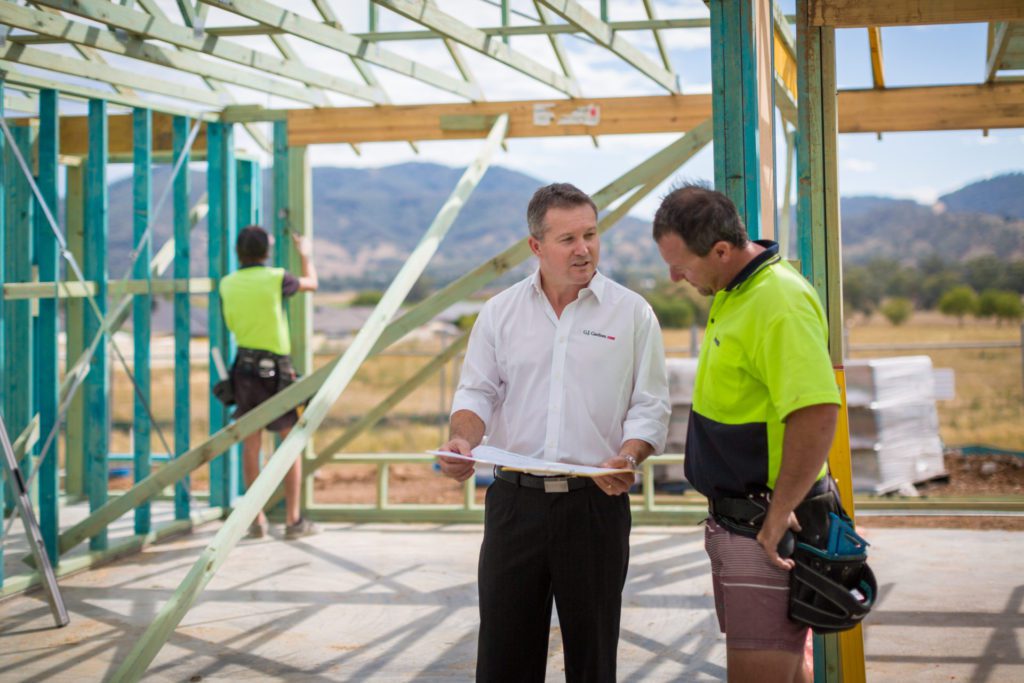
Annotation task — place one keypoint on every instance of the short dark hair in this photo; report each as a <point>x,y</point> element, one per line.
<point>701,217</point>
<point>554,196</point>
<point>253,244</point>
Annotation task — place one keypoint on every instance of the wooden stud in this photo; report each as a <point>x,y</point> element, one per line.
<point>223,228</point>
<point>45,333</point>
<point>3,324</point>
<point>141,305</point>
<point>96,388</point>
<point>18,394</point>
<point>74,216</point>
<point>182,318</point>
<point>875,46</point>
<point>819,241</point>
<point>741,49</point>
<point>280,191</point>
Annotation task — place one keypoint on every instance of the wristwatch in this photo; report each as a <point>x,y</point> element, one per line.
<point>633,464</point>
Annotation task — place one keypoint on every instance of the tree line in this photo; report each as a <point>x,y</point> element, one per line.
<point>981,286</point>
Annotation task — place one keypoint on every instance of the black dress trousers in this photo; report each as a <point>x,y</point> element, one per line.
<point>570,549</point>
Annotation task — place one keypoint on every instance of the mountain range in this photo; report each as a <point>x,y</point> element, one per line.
<point>366,221</point>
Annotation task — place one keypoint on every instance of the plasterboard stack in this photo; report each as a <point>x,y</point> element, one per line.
<point>894,426</point>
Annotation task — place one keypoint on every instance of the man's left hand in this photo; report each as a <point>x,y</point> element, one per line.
<point>615,484</point>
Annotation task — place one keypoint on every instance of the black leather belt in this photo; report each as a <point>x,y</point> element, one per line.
<point>749,512</point>
<point>547,484</point>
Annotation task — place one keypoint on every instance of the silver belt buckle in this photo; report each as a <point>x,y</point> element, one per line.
<point>556,485</point>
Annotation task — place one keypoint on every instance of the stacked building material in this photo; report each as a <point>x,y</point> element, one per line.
<point>894,426</point>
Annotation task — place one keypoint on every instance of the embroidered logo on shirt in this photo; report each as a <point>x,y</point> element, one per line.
<point>594,333</point>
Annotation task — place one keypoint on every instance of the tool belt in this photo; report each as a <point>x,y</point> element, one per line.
<point>260,363</point>
<point>831,586</point>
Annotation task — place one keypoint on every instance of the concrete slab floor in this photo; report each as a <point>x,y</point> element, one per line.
<point>398,603</point>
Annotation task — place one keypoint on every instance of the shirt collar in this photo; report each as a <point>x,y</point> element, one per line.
<point>243,266</point>
<point>597,285</point>
<point>767,257</point>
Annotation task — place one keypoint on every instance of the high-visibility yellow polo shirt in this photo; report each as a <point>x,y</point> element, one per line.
<point>251,301</point>
<point>764,355</point>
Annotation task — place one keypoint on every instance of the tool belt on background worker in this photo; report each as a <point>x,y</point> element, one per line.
<point>265,365</point>
<point>831,586</point>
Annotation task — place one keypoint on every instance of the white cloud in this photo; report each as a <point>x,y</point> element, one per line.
<point>922,194</point>
<point>859,165</point>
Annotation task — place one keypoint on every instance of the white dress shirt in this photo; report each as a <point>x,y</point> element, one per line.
<point>569,389</point>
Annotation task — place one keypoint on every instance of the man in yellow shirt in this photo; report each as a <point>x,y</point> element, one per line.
<point>251,299</point>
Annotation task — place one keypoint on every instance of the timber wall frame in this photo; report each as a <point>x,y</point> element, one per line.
<point>798,79</point>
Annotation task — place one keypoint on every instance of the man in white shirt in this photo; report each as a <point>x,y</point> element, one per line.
<point>566,366</point>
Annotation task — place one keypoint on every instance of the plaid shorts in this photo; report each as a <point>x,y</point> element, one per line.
<point>751,594</point>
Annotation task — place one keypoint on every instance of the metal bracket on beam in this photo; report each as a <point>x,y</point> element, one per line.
<point>467,121</point>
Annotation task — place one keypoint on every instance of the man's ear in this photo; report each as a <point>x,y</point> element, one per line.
<point>534,245</point>
<point>722,250</point>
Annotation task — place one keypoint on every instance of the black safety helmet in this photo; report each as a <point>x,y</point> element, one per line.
<point>830,594</point>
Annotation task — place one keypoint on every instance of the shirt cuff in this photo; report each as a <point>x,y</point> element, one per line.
<point>650,431</point>
<point>475,403</point>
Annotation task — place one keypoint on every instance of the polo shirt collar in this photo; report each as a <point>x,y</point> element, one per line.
<point>597,285</point>
<point>766,257</point>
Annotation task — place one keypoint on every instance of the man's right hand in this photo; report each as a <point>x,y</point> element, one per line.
<point>459,470</point>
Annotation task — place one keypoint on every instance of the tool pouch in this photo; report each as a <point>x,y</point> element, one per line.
<point>831,588</point>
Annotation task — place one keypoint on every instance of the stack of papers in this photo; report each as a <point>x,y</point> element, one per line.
<point>522,463</point>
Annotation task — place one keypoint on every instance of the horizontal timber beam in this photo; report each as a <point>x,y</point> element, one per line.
<point>658,114</point>
<point>80,290</point>
<point>946,107</point>
<point>74,136</point>
<point>863,13</point>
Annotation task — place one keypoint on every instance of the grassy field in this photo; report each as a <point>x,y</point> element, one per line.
<point>988,408</point>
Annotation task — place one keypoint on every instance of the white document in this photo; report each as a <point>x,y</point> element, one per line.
<point>522,463</point>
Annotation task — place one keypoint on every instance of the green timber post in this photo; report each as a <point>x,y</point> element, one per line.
<point>300,306</point>
<point>18,396</point>
<point>249,212</point>
<point>142,156</point>
<point>738,55</point>
<point>3,326</point>
<point>280,189</point>
<point>74,321</point>
<point>837,657</point>
<point>222,231</point>
<point>46,320</point>
<point>96,387</point>
<point>182,318</point>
